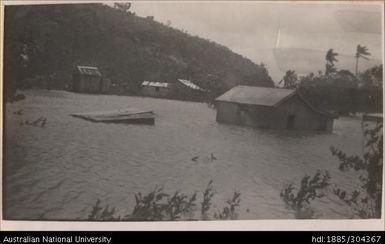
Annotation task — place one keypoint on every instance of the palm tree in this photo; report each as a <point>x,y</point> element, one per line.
<point>362,52</point>
<point>330,59</point>
<point>290,79</point>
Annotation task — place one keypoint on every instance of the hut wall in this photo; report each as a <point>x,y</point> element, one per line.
<point>329,124</point>
<point>91,84</point>
<point>227,112</point>
<point>75,82</point>
<point>295,114</point>
<point>153,91</point>
<point>243,114</point>
<point>255,116</point>
<point>105,85</point>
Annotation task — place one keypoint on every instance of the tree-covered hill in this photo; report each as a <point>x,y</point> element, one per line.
<point>46,41</point>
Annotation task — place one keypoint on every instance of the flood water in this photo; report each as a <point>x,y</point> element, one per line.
<point>59,171</point>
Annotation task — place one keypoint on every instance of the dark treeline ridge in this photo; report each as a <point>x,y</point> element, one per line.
<point>46,42</point>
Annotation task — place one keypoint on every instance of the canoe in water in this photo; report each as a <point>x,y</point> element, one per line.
<point>127,115</point>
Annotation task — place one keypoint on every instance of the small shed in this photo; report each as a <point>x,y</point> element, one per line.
<point>374,117</point>
<point>271,108</point>
<point>155,89</point>
<point>187,90</point>
<point>88,79</point>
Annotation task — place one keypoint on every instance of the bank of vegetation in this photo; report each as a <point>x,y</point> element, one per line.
<point>341,91</point>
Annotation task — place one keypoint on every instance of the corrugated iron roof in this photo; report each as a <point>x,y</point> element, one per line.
<point>264,96</point>
<point>88,70</point>
<point>155,84</point>
<point>191,85</point>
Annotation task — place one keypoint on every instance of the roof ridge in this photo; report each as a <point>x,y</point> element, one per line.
<point>284,99</point>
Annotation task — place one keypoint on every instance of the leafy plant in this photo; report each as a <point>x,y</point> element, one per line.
<point>309,189</point>
<point>160,206</point>
<point>149,207</point>
<point>372,77</point>
<point>208,194</point>
<point>368,203</point>
<point>229,212</point>
<point>100,213</point>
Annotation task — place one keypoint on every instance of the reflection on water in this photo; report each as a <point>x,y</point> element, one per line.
<point>59,171</point>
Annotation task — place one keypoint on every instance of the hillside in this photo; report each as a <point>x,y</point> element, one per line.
<point>49,40</point>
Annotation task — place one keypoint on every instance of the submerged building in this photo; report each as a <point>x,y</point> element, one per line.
<point>155,89</point>
<point>88,79</point>
<point>179,89</point>
<point>187,90</point>
<point>271,108</point>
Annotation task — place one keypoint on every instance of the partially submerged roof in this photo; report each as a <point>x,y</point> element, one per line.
<point>265,96</point>
<point>155,84</point>
<point>88,70</point>
<point>191,85</point>
<point>254,95</point>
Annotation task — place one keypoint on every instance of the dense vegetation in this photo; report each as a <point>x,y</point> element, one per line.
<point>160,206</point>
<point>365,201</point>
<point>43,43</point>
<point>341,91</point>
<point>344,100</point>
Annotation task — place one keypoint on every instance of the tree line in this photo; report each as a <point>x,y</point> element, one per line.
<point>340,90</point>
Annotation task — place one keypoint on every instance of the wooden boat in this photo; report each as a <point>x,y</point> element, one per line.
<point>128,115</point>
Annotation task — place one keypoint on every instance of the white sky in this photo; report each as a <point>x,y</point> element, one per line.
<point>250,29</point>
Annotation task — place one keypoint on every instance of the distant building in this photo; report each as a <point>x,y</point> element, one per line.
<point>271,108</point>
<point>89,80</point>
<point>155,89</point>
<point>187,90</point>
<point>374,117</point>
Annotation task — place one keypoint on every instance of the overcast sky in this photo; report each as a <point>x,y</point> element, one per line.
<point>281,35</point>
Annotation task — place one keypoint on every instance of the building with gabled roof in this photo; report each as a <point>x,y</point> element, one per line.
<point>155,89</point>
<point>187,90</point>
<point>89,79</point>
<point>271,108</point>
<point>191,85</point>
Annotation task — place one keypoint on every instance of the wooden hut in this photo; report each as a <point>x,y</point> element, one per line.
<point>271,108</point>
<point>155,89</point>
<point>374,117</point>
<point>88,79</point>
<point>187,90</point>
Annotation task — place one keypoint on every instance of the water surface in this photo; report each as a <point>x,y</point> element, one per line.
<point>59,171</point>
